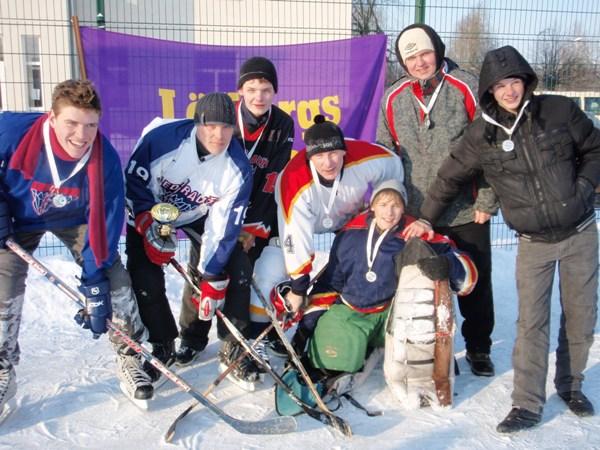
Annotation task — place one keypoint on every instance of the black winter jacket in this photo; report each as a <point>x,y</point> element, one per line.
<point>546,184</point>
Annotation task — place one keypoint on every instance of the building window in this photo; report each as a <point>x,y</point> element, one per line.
<point>33,72</point>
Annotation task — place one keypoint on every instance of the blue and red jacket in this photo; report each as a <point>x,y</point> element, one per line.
<point>30,200</point>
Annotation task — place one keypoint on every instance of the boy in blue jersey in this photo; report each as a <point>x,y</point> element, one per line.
<point>59,174</point>
<point>198,167</point>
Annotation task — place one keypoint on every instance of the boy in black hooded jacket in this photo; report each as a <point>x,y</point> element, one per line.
<point>541,155</point>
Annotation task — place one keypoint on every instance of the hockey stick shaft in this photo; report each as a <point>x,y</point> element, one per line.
<point>329,419</point>
<point>270,426</point>
<point>171,431</point>
<point>339,424</point>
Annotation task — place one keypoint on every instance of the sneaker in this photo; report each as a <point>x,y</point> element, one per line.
<point>578,403</point>
<point>135,383</point>
<point>481,364</point>
<point>518,419</point>
<point>165,352</point>
<point>246,374</point>
<point>8,383</point>
<point>186,355</point>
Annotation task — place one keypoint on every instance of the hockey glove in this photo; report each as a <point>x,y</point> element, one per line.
<point>159,250</point>
<point>283,311</point>
<point>5,224</point>
<point>434,267</point>
<point>212,297</point>
<point>98,307</point>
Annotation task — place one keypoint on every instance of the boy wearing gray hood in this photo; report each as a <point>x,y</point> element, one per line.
<point>541,155</point>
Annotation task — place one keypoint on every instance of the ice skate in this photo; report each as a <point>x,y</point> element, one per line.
<point>134,382</point>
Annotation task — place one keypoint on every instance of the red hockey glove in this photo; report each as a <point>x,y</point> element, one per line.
<point>159,250</point>
<point>212,297</point>
<point>285,314</point>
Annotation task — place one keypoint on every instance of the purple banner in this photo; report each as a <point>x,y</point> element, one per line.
<point>141,78</point>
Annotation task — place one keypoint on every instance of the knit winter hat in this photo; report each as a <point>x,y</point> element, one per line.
<point>414,41</point>
<point>394,185</point>
<point>215,108</point>
<point>323,136</point>
<point>258,67</point>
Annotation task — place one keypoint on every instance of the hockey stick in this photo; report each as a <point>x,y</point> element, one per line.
<point>337,422</point>
<point>328,419</point>
<point>171,431</point>
<point>268,426</point>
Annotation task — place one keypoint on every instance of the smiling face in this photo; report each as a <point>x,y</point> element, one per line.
<point>421,65</point>
<point>328,164</point>
<point>257,95</point>
<point>387,208</point>
<point>215,137</point>
<point>75,128</point>
<point>509,92</point>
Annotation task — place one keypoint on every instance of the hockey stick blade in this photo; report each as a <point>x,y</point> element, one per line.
<point>171,431</point>
<point>267,426</point>
<point>337,422</point>
<point>328,419</point>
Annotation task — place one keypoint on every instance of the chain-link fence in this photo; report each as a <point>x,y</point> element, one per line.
<point>561,39</point>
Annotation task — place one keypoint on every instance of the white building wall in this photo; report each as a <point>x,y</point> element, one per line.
<point>215,22</point>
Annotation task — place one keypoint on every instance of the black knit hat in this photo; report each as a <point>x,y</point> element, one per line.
<point>215,108</point>
<point>323,136</point>
<point>258,67</point>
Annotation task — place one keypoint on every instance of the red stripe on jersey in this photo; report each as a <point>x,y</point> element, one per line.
<point>469,99</point>
<point>358,222</point>
<point>389,109</point>
<point>295,178</point>
<point>361,151</point>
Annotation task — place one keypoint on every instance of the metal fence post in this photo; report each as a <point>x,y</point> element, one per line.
<point>100,14</point>
<point>420,11</point>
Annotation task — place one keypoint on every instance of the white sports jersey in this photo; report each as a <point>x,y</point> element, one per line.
<point>165,167</point>
<point>301,212</point>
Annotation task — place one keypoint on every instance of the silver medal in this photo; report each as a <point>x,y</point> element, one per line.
<point>371,276</point>
<point>327,222</point>
<point>59,200</point>
<point>508,145</point>
<point>427,123</point>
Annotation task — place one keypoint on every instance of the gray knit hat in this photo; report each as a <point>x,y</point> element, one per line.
<point>391,184</point>
<point>215,108</point>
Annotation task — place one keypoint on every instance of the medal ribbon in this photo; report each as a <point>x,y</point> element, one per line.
<point>510,130</point>
<point>52,163</point>
<point>372,253</point>
<point>241,124</point>
<point>334,188</point>
<point>429,107</point>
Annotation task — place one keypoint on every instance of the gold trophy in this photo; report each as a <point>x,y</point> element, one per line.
<point>165,214</point>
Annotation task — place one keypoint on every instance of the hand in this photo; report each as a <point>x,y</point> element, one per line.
<point>212,297</point>
<point>247,240</point>
<point>293,302</point>
<point>434,267</point>
<point>5,224</point>
<point>481,217</point>
<point>417,229</point>
<point>98,307</point>
<point>282,310</point>
<point>159,249</point>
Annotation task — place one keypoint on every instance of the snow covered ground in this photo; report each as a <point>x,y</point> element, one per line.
<point>69,398</point>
